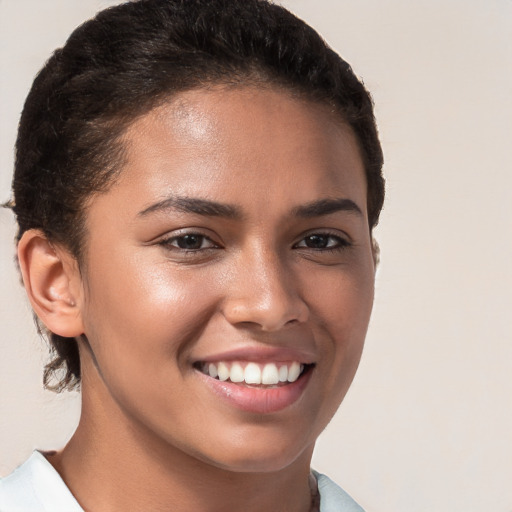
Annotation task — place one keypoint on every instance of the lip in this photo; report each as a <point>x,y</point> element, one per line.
<point>255,399</point>
<point>260,355</point>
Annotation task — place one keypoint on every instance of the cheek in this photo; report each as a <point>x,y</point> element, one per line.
<point>140,286</point>
<point>342,300</point>
<point>342,307</point>
<point>138,313</point>
<point>140,321</point>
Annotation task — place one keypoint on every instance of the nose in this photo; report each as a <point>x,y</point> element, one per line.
<point>264,292</point>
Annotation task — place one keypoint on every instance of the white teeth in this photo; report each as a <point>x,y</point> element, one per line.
<point>223,371</point>
<point>270,375</point>
<point>294,372</point>
<point>252,374</point>
<point>212,370</point>
<point>237,373</point>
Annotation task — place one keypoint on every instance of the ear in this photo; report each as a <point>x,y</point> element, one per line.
<point>53,283</point>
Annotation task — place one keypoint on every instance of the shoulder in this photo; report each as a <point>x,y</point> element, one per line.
<point>333,498</point>
<point>36,487</point>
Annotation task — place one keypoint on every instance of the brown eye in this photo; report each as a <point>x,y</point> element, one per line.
<point>188,242</point>
<point>317,241</point>
<point>321,241</point>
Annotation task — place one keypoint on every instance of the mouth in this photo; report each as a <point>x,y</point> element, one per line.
<point>258,387</point>
<point>255,374</point>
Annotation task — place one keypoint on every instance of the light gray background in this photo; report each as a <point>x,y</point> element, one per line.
<point>427,425</point>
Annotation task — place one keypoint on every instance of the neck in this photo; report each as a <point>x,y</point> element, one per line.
<point>112,463</point>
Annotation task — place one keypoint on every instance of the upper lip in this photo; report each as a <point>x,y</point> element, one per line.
<point>260,354</point>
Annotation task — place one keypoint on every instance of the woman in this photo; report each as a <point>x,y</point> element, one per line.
<point>196,186</point>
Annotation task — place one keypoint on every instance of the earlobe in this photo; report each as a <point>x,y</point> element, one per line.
<point>52,281</point>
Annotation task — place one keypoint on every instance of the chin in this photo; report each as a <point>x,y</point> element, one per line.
<point>270,463</point>
<point>271,454</point>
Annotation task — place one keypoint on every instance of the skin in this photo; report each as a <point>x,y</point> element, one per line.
<point>150,429</point>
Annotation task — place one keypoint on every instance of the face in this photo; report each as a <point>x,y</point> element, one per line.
<point>229,276</point>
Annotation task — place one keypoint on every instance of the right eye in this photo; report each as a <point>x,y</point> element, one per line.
<point>189,242</point>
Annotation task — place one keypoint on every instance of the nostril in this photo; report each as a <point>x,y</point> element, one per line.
<point>266,318</point>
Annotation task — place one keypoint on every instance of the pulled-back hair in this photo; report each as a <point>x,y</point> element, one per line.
<point>129,59</point>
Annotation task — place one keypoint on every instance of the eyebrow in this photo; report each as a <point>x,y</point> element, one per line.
<point>326,207</point>
<point>214,209</point>
<point>194,205</point>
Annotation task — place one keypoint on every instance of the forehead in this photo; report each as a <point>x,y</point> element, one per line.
<point>240,143</point>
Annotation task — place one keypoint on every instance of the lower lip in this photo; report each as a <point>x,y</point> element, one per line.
<point>258,400</point>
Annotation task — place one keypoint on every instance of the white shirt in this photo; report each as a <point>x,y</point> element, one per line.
<point>36,487</point>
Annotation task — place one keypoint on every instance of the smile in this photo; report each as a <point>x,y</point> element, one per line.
<point>256,387</point>
<point>252,373</point>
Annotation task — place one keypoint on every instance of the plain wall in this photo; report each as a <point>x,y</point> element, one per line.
<point>427,425</point>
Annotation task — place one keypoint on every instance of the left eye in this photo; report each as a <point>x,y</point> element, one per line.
<point>322,241</point>
<point>189,242</point>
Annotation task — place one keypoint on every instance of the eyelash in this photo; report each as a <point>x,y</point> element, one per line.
<point>340,243</point>
<point>168,242</point>
<point>173,242</point>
